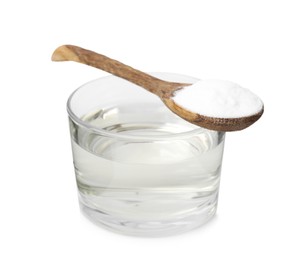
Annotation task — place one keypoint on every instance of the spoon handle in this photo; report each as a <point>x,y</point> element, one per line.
<point>157,86</point>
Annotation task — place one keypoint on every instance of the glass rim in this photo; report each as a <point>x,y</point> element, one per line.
<point>121,135</point>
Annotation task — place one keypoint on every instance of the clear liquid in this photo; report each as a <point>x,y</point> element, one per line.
<point>145,184</point>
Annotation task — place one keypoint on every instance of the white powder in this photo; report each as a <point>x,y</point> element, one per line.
<point>218,98</point>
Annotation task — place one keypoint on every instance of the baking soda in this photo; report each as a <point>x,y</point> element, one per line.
<point>218,98</point>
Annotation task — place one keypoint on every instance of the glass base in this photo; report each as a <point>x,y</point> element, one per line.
<point>156,227</point>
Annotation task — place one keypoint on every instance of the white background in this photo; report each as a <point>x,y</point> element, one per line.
<point>254,43</point>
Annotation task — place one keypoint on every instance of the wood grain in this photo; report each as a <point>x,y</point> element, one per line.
<point>161,88</point>
<point>213,123</point>
<point>164,89</point>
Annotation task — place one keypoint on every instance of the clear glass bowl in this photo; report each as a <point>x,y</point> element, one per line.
<point>140,169</point>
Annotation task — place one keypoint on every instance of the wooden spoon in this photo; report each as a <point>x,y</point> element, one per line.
<point>164,89</point>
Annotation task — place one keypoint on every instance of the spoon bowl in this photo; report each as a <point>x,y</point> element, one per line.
<point>213,123</point>
<point>163,89</point>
